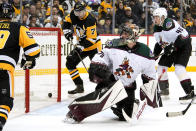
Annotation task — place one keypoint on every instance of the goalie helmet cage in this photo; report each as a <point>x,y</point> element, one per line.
<point>27,72</point>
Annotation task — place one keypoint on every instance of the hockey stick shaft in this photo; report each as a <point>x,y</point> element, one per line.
<point>71,43</point>
<point>81,61</point>
<point>159,55</point>
<point>159,95</point>
<point>180,113</point>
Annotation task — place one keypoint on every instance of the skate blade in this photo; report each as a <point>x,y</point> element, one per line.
<point>75,95</point>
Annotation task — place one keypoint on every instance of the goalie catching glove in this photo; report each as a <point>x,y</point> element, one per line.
<point>27,62</point>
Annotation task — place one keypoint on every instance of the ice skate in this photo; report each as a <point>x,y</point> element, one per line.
<point>79,89</point>
<point>187,98</point>
<point>118,113</point>
<point>164,89</point>
<point>134,116</point>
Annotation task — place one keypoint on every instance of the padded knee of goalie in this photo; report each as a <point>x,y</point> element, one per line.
<point>145,78</point>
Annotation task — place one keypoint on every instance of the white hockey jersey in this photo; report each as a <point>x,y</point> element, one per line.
<point>127,64</point>
<point>169,32</point>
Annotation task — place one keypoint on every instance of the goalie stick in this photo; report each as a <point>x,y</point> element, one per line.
<point>180,113</point>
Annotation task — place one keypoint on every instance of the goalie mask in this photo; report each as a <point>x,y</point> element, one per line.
<point>130,34</point>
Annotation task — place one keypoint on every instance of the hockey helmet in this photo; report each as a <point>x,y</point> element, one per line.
<point>79,6</point>
<point>6,10</point>
<point>160,12</point>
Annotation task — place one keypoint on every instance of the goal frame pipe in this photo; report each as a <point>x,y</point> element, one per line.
<point>27,72</point>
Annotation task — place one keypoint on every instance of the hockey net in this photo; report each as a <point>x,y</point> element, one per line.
<point>33,86</point>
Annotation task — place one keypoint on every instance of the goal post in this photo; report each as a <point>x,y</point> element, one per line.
<point>58,30</point>
<point>27,72</point>
<point>33,86</point>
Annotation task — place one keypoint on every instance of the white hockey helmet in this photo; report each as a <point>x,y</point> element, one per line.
<point>160,12</point>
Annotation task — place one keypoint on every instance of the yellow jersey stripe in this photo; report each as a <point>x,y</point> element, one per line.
<point>75,77</point>
<point>73,71</point>
<point>3,115</point>
<point>5,107</point>
<point>34,53</point>
<point>6,66</point>
<point>94,46</point>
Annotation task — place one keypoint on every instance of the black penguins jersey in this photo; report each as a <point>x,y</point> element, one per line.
<point>83,28</point>
<point>12,37</point>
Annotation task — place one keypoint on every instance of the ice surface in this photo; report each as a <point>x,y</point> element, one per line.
<point>50,118</point>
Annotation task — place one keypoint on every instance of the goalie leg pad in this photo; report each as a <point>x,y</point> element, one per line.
<point>149,92</point>
<point>97,101</point>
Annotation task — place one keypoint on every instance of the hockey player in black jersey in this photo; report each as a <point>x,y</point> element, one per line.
<point>176,43</point>
<point>12,37</point>
<point>115,70</point>
<point>83,24</point>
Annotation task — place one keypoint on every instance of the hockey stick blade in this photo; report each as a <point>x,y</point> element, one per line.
<point>174,114</point>
<point>180,113</point>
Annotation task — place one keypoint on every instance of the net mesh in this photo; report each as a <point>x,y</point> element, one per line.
<point>43,78</point>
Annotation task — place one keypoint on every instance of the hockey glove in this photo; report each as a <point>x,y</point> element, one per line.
<point>27,63</point>
<point>168,50</point>
<point>157,50</point>
<point>68,34</point>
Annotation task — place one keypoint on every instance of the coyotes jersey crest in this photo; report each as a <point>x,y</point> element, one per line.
<point>124,69</point>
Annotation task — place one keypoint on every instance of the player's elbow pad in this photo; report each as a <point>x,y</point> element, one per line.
<point>99,72</point>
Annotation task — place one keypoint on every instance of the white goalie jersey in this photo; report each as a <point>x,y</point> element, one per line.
<point>126,65</point>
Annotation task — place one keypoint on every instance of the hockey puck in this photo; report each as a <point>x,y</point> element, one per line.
<point>49,95</point>
<point>167,114</point>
